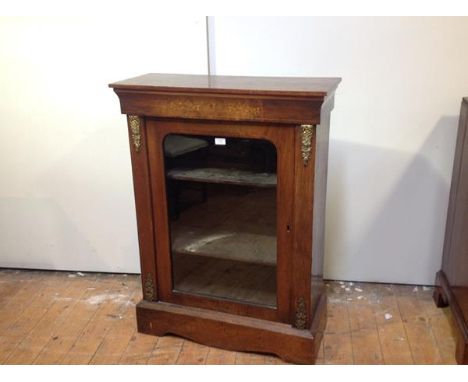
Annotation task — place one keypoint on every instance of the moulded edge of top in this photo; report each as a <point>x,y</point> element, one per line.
<point>301,87</point>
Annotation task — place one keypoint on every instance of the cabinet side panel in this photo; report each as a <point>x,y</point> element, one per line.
<point>320,191</point>
<point>318,231</point>
<point>143,205</point>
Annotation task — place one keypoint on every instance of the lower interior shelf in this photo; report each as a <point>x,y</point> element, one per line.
<point>228,245</point>
<point>232,280</point>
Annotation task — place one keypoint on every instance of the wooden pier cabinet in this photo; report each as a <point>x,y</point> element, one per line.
<point>230,180</point>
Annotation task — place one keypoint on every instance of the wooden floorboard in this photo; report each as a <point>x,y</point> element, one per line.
<point>75,318</point>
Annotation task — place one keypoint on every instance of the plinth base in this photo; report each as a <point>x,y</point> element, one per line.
<point>231,332</point>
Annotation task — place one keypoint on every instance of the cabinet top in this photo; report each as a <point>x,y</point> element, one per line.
<point>272,86</point>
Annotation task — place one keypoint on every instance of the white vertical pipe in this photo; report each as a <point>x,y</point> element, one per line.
<point>210,45</point>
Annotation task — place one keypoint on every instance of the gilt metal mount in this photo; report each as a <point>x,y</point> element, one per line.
<point>135,131</point>
<point>307,132</point>
<point>148,290</point>
<point>301,316</point>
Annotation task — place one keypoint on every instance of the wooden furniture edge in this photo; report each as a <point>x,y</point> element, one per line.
<point>443,296</point>
<point>136,83</point>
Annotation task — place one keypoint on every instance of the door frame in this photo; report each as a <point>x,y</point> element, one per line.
<point>283,138</point>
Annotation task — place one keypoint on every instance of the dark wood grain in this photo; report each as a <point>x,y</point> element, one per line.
<point>452,280</point>
<point>266,108</point>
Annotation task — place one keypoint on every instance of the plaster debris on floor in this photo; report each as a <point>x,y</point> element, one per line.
<point>114,297</point>
<point>388,316</point>
<point>58,298</point>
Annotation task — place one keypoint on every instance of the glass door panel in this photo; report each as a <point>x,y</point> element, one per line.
<point>221,197</point>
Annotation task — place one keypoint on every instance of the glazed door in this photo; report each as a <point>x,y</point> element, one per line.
<point>223,212</point>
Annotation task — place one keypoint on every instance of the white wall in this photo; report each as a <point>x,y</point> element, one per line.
<point>392,133</point>
<point>66,198</point>
<point>66,194</point>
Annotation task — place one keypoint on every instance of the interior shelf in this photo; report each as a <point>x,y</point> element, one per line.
<point>246,247</point>
<point>224,176</point>
<point>232,280</point>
